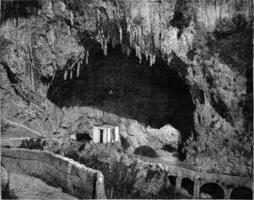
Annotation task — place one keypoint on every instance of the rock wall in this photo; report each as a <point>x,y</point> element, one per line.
<point>56,170</point>
<point>213,55</point>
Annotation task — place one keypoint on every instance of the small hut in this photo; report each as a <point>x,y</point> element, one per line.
<point>106,134</point>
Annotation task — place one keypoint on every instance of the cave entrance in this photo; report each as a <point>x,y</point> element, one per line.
<point>119,84</point>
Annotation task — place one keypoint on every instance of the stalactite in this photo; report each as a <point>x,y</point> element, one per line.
<point>130,39</point>
<point>87,57</point>
<point>139,34</point>
<point>169,59</point>
<point>65,75</point>
<point>128,28</point>
<point>120,34</point>
<point>128,51</point>
<point>123,49</point>
<point>138,53</point>
<point>113,43</point>
<point>78,69</point>
<point>146,55</point>
<point>105,47</point>
<point>152,59</point>
<point>71,75</point>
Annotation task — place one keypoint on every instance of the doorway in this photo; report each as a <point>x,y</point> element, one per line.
<point>101,135</point>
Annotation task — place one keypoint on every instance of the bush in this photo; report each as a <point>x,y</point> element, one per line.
<point>146,151</point>
<point>33,143</point>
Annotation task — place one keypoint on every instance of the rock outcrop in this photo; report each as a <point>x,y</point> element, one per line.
<point>208,42</point>
<point>132,133</point>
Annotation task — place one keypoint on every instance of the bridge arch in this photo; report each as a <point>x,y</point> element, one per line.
<point>211,190</point>
<point>188,185</point>
<point>241,193</point>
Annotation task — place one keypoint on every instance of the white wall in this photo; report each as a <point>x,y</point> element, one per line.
<point>117,134</point>
<point>106,134</point>
<point>96,135</point>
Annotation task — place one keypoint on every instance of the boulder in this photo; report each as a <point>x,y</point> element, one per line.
<point>170,135</point>
<point>167,135</point>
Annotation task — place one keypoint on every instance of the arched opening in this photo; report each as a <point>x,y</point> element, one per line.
<point>119,84</point>
<point>172,180</point>
<point>188,185</point>
<point>211,191</point>
<point>241,193</point>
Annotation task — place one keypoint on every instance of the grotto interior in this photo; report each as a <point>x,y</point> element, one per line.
<point>117,83</point>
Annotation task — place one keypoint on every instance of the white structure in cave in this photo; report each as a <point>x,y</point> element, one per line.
<point>106,134</point>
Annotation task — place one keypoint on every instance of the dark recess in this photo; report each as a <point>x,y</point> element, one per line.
<point>118,84</point>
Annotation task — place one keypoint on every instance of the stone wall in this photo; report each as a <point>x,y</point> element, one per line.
<point>56,170</point>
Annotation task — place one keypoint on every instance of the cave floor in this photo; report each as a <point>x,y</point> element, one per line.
<point>27,187</point>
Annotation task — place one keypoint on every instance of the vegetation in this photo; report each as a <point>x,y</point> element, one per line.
<point>34,143</point>
<point>146,151</point>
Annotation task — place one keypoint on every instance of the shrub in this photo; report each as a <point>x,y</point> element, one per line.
<point>146,151</point>
<point>33,143</point>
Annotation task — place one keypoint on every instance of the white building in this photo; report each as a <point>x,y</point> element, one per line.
<point>106,134</point>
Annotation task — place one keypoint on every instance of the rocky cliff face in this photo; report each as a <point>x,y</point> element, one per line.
<point>208,43</point>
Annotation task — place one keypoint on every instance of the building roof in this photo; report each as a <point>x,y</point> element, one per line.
<point>105,126</point>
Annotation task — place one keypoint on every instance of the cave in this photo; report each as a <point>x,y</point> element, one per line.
<point>153,95</point>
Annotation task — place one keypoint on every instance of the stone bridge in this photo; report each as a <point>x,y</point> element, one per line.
<point>221,185</point>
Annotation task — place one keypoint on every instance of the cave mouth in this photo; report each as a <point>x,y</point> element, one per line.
<point>119,84</point>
